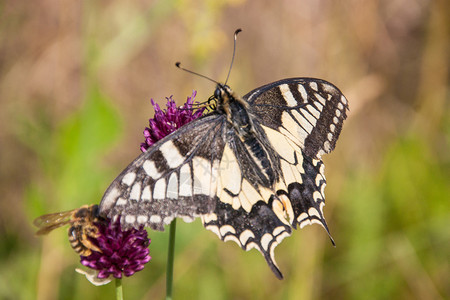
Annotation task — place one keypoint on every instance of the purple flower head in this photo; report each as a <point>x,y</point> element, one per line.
<point>167,121</point>
<point>122,252</point>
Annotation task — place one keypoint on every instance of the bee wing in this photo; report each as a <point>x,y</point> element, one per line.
<point>48,222</point>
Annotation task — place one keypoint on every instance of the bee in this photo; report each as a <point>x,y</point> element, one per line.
<point>81,230</point>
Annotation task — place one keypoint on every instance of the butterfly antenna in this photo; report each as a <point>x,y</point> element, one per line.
<point>178,64</point>
<point>234,52</point>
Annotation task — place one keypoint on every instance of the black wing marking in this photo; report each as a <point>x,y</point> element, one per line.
<point>310,111</point>
<point>176,177</point>
<point>307,196</point>
<point>260,228</point>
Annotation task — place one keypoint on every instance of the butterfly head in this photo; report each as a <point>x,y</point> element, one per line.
<point>222,91</point>
<point>223,94</point>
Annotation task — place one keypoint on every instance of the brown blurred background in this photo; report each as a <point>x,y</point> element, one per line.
<point>76,78</point>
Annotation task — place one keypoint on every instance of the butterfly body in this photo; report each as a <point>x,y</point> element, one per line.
<point>251,169</point>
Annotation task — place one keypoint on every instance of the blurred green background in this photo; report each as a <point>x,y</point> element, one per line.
<point>76,78</point>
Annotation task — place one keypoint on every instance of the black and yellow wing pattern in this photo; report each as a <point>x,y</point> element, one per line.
<point>251,168</point>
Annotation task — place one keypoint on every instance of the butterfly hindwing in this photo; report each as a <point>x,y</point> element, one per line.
<point>302,181</point>
<point>176,177</point>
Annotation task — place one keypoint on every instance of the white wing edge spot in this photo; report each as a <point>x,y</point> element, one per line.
<point>129,178</point>
<point>214,229</point>
<point>167,220</point>
<point>328,88</point>
<point>121,201</point>
<point>252,245</point>
<point>232,238</point>
<point>150,168</point>
<point>304,223</point>
<point>322,170</point>
<point>322,189</point>
<point>317,196</point>
<point>302,217</point>
<point>265,241</point>
<point>209,217</point>
<point>142,219</point>
<point>188,219</point>
<point>245,236</point>
<point>278,230</point>
<point>109,199</point>
<point>171,154</point>
<point>130,219</point>
<point>281,237</point>
<point>155,219</point>
<point>225,229</point>
<point>318,179</point>
<point>321,205</point>
<point>135,193</point>
<point>332,127</point>
<point>315,221</point>
<point>313,212</point>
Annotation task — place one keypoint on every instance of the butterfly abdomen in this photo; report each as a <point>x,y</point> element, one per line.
<point>259,155</point>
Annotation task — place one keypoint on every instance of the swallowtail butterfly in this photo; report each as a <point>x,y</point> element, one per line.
<point>251,169</point>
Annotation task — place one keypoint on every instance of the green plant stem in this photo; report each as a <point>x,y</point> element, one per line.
<point>119,292</point>
<point>170,259</point>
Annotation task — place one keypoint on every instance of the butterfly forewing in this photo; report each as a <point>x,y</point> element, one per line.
<point>174,178</point>
<point>308,111</point>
